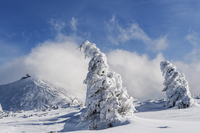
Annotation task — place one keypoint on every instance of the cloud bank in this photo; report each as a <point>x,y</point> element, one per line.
<point>192,74</point>
<point>141,76</point>
<point>58,62</point>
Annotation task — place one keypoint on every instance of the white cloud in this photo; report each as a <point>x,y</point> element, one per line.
<point>118,34</point>
<point>73,24</point>
<point>159,44</point>
<point>140,75</point>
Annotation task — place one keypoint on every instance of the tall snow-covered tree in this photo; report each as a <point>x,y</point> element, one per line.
<point>176,86</point>
<point>107,100</point>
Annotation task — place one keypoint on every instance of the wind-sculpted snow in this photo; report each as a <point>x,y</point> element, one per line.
<point>150,118</point>
<point>151,105</point>
<point>32,93</point>
<point>107,101</point>
<point>176,86</point>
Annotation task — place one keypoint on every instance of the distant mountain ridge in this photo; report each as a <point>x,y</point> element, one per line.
<point>32,93</point>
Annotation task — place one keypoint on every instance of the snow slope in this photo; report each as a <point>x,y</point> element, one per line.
<point>35,121</point>
<point>32,93</point>
<point>152,119</point>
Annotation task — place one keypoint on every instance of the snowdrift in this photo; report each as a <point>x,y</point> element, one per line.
<point>32,93</point>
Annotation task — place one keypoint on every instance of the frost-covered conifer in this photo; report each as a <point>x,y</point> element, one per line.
<point>176,86</point>
<point>1,110</point>
<point>107,100</point>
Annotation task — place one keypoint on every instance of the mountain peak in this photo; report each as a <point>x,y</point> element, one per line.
<point>33,93</point>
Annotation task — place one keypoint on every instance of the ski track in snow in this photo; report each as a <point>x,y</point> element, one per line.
<point>151,120</point>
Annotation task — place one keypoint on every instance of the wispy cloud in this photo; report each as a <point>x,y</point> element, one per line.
<point>118,34</point>
<point>8,52</point>
<point>57,25</point>
<point>194,39</point>
<point>73,24</point>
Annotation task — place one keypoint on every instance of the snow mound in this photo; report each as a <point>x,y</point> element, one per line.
<point>152,105</point>
<point>32,93</point>
<point>74,124</point>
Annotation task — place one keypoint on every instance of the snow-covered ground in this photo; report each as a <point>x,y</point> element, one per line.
<point>151,117</point>
<point>36,121</point>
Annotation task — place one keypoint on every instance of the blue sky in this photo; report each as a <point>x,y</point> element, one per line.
<point>26,23</point>
<point>149,30</point>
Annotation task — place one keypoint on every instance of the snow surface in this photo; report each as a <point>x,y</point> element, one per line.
<point>32,93</point>
<point>36,97</point>
<point>152,117</point>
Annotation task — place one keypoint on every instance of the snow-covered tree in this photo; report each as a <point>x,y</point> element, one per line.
<point>176,86</point>
<point>1,110</point>
<point>107,100</point>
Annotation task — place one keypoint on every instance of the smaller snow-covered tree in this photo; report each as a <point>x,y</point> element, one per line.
<point>176,86</point>
<point>1,110</point>
<point>107,100</point>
